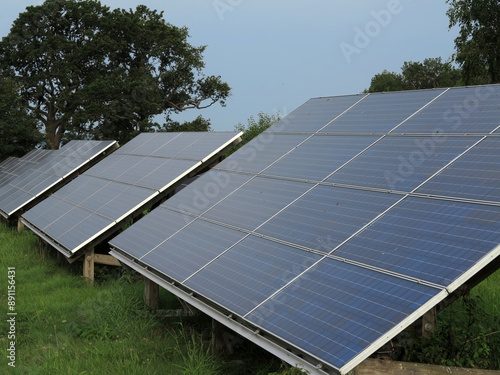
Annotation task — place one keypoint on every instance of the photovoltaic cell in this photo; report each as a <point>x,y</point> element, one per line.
<point>476,175</point>
<point>251,205</point>
<point>319,156</point>
<point>431,240</point>
<point>261,152</point>
<point>401,163</point>
<point>337,310</point>
<point>327,216</point>
<point>315,114</point>
<point>98,202</point>
<point>247,274</point>
<point>191,249</point>
<point>334,267</point>
<point>382,112</point>
<point>459,110</point>
<point>45,170</point>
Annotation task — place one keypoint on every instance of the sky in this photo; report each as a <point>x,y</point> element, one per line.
<point>277,54</point>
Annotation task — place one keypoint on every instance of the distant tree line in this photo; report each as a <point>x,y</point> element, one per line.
<point>477,57</point>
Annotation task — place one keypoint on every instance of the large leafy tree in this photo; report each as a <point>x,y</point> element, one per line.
<point>86,71</point>
<point>53,51</point>
<point>429,74</point>
<point>18,131</point>
<point>478,43</point>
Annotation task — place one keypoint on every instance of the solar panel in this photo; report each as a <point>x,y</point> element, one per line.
<point>13,167</point>
<point>42,171</point>
<point>324,245</point>
<point>100,201</point>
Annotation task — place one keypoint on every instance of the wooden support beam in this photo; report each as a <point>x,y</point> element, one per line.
<point>20,225</point>
<point>88,265</point>
<point>381,367</point>
<point>152,294</point>
<point>107,260</point>
<point>428,323</point>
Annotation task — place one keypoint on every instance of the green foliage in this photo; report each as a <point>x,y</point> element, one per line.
<point>85,70</point>
<point>195,355</point>
<point>253,128</point>
<point>466,336</point>
<point>198,125</point>
<point>18,131</point>
<point>478,43</point>
<point>429,74</point>
<point>386,81</point>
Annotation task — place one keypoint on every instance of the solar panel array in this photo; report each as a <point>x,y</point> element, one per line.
<point>12,167</point>
<point>339,226</point>
<point>98,202</point>
<point>42,170</point>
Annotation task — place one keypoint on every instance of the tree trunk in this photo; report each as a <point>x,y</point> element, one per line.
<point>54,128</point>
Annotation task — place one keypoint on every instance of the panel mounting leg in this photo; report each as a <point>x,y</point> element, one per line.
<point>428,323</point>
<point>152,294</point>
<point>88,265</point>
<point>20,225</point>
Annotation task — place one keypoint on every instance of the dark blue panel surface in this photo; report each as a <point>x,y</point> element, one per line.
<point>88,228</point>
<point>319,156</point>
<point>476,175</point>
<point>460,110</point>
<point>256,202</point>
<point>209,189</point>
<point>261,152</point>
<point>182,142</point>
<point>433,240</point>
<point>327,216</point>
<point>336,310</point>
<point>401,163</point>
<point>381,112</point>
<point>149,232</point>
<point>191,249</point>
<point>250,272</point>
<point>315,114</point>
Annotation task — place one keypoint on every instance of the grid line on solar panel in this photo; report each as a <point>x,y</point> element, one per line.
<point>121,184</point>
<point>381,112</point>
<point>457,111</point>
<point>474,176</point>
<point>316,113</point>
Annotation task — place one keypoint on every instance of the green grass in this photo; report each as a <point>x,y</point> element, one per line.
<point>67,326</point>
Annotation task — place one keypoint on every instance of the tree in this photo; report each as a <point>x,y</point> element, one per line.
<point>95,73</point>
<point>386,81</point>
<point>52,52</point>
<point>18,131</point>
<point>253,128</point>
<point>199,124</point>
<point>429,74</point>
<point>478,43</point>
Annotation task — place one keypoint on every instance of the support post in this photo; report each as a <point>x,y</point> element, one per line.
<point>428,326</point>
<point>88,265</point>
<point>152,294</point>
<point>20,225</point>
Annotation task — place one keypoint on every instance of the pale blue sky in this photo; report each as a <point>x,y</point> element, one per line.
<point>277,54</point>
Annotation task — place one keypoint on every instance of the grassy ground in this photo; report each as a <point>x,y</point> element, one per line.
<point>66,326</point>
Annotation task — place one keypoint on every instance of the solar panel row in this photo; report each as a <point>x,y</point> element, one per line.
<point>338,227</point>
<point>139,174</point>
<point>40,171</point>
